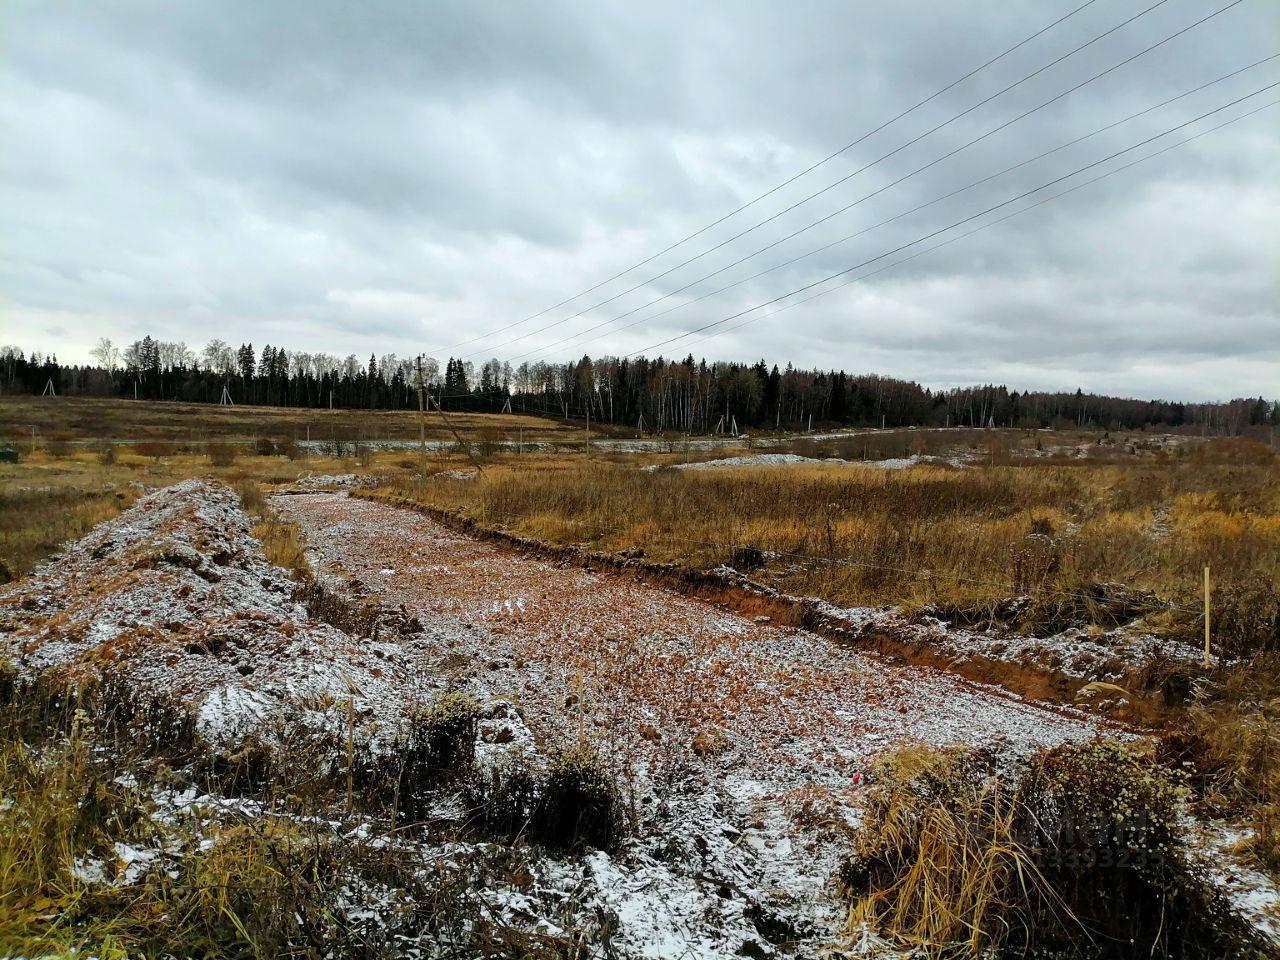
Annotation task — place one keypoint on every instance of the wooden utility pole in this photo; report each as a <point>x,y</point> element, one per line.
<point>462,443</point>
<point>422,413</point>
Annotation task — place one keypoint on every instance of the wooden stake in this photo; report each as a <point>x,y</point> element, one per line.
<point>1206,617</point>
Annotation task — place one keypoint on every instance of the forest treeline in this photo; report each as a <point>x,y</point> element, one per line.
<point>651,395</point>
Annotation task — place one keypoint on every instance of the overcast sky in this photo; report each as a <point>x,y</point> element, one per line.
<point>403,177</point>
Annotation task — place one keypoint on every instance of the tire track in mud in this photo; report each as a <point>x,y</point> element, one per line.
<point>660,679</point>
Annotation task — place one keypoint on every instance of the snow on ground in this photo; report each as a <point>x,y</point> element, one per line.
<point>337,481</point>
<point>176,596</point>
<point>1251,892</point>
<point>1080,653</point>
<point>649,670</point>
<point>740,742</point>
<point>751,460</point>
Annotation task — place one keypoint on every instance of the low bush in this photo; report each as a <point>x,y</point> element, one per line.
<point>579,804</point>
<point>154,449</point>
<point>283,545</point>
<point>502,801</point>
<point>437,746</point>
<point>221,454</point>
<point>1076,854</point>
<point>252,499</point>
<point>1231,736</point>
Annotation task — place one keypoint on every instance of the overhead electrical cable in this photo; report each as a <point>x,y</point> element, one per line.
<point>768,193</point>
<point>608,323</point>
<point>958,223</point>
<point>992,223</point>
<point>854,173</point>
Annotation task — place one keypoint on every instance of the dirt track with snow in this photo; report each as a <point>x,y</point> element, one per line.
<point>740,742</point>
<point>662,677</point>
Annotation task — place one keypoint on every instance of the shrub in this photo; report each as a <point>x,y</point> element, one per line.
<point>283,545</point>
<point>151,448</point>
<point>579,806</point>
<point>251,497</point>
<point>501,802</point>
<point>107,454</point>
<point>437,746</point>
<point>1076,854</point>
<point>746,558</point>
<point>221,454</point>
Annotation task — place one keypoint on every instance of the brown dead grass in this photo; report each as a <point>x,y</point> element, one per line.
<point>927,535</point>
<point>1077,854</point>
<point>97,418</point>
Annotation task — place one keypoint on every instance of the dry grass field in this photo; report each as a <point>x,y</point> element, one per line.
<point>930,535</point>
<point>91,418</point>
<point>1080,526</point>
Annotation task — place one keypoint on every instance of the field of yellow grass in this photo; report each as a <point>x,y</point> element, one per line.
<point>96,418</point>
<point>928,535</point>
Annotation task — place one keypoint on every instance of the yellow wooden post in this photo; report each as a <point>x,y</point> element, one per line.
<point>1206,617</point>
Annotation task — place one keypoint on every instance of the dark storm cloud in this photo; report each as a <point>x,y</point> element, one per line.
<point>396,177</point>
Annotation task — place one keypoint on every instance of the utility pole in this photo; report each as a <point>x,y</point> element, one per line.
<point>422,413</point>
<point>462,443</point>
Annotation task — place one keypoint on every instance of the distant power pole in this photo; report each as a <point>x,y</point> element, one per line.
<point>422,413</point>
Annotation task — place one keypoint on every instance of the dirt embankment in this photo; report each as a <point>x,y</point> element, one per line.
<point>579,646</point>
<point>174,601</point>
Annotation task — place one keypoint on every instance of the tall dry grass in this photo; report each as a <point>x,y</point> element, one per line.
<point>927,535</point>
<point>1076,853</point>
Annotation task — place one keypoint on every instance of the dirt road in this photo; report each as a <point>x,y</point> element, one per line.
<point>654,675</point>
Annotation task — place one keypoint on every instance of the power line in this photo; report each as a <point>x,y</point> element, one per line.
<point>785,183</point>
<point>916,209</point>
<point>958,223</point>
<point>856,172</point>
<point>999,220</point>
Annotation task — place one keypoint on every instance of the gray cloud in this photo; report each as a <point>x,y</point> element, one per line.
<point>397,177</point>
